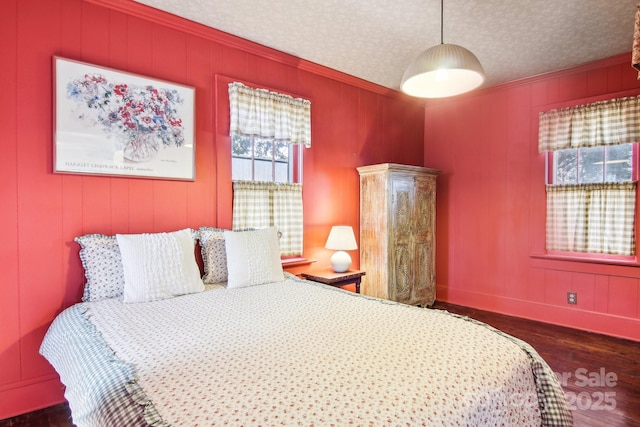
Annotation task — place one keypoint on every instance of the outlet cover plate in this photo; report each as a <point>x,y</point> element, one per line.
<point>572,297</point>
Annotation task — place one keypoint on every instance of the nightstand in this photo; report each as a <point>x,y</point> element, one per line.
<point>330,277</point>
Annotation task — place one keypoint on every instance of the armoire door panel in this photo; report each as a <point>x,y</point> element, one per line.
<point>401,278</point>
<point>401,211</point>
<point>423,291</point>
<point>373,229</point>
<point>425,201</point>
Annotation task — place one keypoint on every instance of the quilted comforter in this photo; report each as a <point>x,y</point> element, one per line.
<point>294,353</point>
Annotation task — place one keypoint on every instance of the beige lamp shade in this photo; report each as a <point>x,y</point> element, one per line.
<point>341,238</point>
<point>441,71</point>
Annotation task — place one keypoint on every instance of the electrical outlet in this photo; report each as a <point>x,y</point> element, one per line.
<point>572,297</point>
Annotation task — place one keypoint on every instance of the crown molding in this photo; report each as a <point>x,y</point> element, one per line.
<point>156,16</point>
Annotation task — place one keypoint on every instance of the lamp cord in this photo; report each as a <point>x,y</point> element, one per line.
<point>441,21</point>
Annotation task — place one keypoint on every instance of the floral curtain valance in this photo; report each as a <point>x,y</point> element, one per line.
<point>611,122</point>
<point>269,114</point>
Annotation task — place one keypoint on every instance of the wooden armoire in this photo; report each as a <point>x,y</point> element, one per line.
<point>397,232</point>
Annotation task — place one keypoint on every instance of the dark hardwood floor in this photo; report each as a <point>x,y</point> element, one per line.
<point>55,416</point>
<point>601,373</point>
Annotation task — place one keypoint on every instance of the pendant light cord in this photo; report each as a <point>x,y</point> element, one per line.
<point>441,21</point>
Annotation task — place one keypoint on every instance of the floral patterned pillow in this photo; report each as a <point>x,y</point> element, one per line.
<point>102,262</point>
<point>214,255</point>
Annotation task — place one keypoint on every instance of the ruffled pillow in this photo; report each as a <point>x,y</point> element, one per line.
<point>100,256</point>
<point>159,266</point>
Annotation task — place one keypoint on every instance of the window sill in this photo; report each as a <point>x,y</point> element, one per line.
<point>296,262</point>
<point>629,262</point>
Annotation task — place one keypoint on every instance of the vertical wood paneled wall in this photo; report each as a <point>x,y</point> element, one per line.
<point>354,123</point>
<point>491,204</point>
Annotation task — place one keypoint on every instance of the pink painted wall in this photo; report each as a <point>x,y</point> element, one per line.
<point>354,123</point>
<point>491,204</point>
<point>490,200</point>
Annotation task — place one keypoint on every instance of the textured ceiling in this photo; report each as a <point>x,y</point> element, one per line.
<point>377,39</point>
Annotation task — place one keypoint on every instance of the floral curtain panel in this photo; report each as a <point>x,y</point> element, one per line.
<point>269,114</point>
<point>611,122</point>
<point>594,218</point>
<point>267,204</point>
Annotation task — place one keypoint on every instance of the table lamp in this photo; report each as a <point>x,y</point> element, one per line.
<point>341,238</point>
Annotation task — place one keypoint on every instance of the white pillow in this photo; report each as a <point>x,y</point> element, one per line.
<point>253,257</point>
<point>158,266</point>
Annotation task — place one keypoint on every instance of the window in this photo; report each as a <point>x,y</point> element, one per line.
<point>591,165</point>
<point>591,200</point>
<point>267,132</point>
<point>591,177</point>
<point>256,158</point>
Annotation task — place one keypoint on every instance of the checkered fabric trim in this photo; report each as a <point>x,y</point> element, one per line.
<point>595,218</point>
<point>553,404</point>
<point>269,114</point>
<point>115,399</point>
<point>611,122</point>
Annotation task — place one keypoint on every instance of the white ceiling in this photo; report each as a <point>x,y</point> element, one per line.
<point>377,39</point>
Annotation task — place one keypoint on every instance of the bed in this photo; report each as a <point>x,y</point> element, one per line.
<point>247,344</point>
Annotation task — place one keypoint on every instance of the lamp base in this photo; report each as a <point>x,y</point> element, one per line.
<point>340,261</point>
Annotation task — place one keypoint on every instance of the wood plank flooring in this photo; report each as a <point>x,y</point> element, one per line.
<point>55,416</point>
<point>601,373</point>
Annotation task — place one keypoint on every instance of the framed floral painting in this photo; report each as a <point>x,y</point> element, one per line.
<point>109,122</point>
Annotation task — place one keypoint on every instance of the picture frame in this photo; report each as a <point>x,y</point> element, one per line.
<point>115,123</point>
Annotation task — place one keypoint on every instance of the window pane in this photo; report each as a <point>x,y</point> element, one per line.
<point>281,151</point>
<point>618,163</point>
<point>565,167</point>
<point>282,172</point>
<point>590,165</point>
<point>241,146</point>
<point>263,148</point>
<point>263,171</point>
<point>240,169</point>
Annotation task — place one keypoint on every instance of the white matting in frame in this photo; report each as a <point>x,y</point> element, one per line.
<point>109,122</point>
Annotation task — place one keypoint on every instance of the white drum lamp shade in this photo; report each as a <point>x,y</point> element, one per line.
<point>341,238</point>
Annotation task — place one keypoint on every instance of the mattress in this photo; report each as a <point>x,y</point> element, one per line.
<point>294,353</point>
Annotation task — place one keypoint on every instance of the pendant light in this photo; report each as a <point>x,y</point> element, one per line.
<point>443,70</point>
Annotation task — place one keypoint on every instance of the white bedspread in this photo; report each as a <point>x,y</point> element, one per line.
<point>298,353</point>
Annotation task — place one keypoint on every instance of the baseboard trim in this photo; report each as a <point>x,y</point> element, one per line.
<point>602,323</point>
<point>23,398</point>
